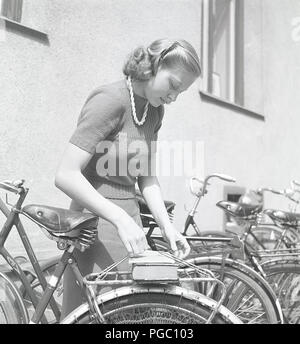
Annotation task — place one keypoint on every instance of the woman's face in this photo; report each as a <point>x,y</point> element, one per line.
<point>167,84</point>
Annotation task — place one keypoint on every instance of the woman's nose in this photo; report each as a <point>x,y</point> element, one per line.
<point>172,97</point>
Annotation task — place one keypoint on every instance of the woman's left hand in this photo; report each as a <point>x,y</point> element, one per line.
<point>177,242</point>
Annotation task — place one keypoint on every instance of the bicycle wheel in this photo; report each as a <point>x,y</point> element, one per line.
<point>12,310</point>
<point>247,294</point>
<point>153,305</point>
<point>270,237</point>
<point>284,277</point>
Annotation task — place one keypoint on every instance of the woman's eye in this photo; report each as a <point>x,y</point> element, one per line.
<point>174,87</point>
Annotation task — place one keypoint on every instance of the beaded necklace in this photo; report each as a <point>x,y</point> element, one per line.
<point>142,121</point>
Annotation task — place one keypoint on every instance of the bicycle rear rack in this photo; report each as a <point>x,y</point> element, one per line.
<point>281,252</point>
<point>152,261</point>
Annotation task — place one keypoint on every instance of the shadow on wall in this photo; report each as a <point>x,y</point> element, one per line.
<point>26,32</point>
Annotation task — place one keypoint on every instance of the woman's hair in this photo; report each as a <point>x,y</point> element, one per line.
<point>143,62</point>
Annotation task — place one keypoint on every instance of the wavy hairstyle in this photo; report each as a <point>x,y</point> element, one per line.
<point>143,62</point>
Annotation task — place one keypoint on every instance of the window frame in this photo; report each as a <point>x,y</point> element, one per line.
<point>14,10</point>
<point>9,24</point>
<point>236,84</point>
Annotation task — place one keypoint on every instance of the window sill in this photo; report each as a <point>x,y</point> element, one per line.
<point>229,105</point>
<point>24,30</point>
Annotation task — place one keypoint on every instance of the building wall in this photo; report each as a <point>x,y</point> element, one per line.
<point>257,153</point>
<point>43,87</point>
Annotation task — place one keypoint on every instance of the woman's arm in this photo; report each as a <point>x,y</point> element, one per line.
<point>150,189</point>
<point>70,180</point>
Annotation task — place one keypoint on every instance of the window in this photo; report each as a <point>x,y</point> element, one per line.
<point>231,52</point>
<point>232,194</point>
<point>23,17</point>
<point>12,9</point>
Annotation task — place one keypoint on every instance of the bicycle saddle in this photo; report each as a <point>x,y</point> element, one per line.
<point>144,207</point>
<point>239,209</point>
<point>59,220</point>
<point>284,217</point>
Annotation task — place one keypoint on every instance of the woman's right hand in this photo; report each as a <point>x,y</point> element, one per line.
<point>70,180</point>
<point>132,235</point>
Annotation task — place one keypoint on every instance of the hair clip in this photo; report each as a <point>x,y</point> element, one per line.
<point>167,50</point>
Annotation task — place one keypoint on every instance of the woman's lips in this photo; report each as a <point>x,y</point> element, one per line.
<point>163,101</point>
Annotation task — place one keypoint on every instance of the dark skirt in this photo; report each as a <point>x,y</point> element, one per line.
<point>106,250</point>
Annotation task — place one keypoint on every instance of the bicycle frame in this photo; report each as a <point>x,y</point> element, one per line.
<point>280,240</point>
<point>190,218</point>
<point>248,232</point>
<point>13,220</point>
<point>250,255</point>
<point>289,194</point>
<point>66,259</point>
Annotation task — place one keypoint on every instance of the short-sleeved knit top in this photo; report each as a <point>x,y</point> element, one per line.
<point>122,150</point>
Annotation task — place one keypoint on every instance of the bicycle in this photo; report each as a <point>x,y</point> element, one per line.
<point>266,235</point>
<point>261,303</point>
<point>281,266</point>
<point>276,265</point>
<point>155,297</point>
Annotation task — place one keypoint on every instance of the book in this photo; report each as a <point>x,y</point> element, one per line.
<point>152,266</point>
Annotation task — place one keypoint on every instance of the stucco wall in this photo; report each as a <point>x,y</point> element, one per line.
<point>260,153</point>
<point>44,86</point>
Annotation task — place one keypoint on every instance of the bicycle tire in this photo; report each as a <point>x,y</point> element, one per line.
<point>160,244</point>
<point>243,276</point>
<point>153,305</point>
<point>12,309</point>
<point>269,235</point>
<point>284,277</point>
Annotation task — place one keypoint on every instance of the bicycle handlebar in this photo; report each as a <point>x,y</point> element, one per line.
<point>203,190</point>
<point>223,177</point>
<point>15,186</point>
<point>274,191</point>
<point>289,193</point>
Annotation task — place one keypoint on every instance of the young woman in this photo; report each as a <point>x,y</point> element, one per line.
<point>113,147</point>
